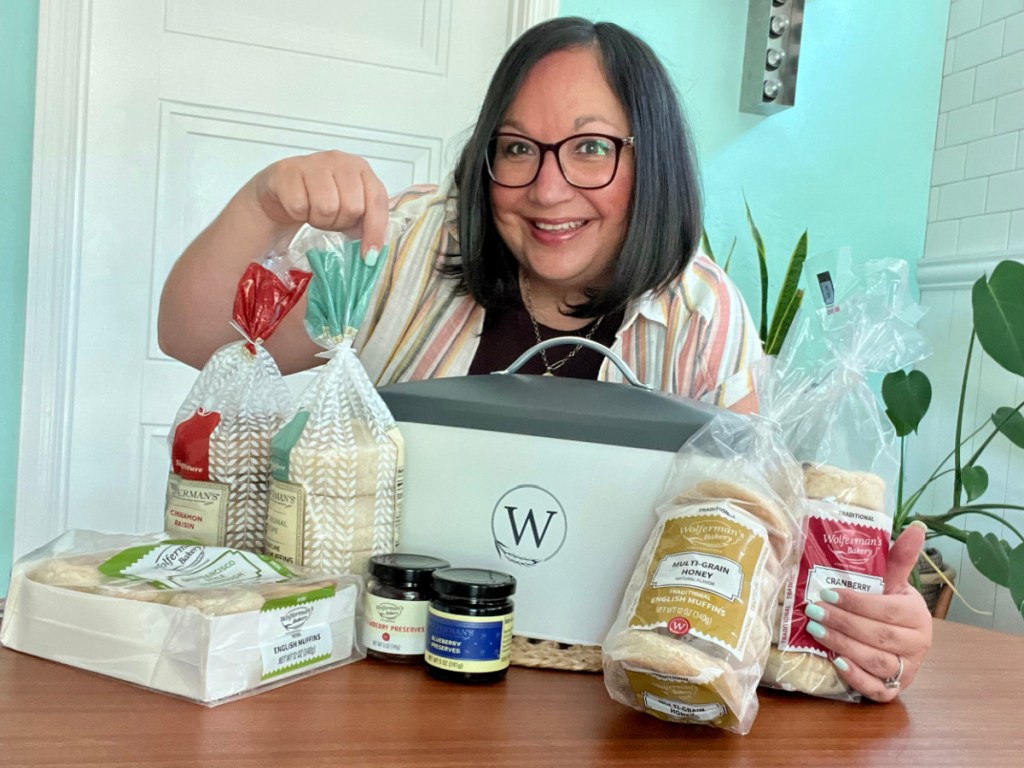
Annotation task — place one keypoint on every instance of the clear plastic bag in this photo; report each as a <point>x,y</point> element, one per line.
<point>855,320</point>
<point>220,439</point>
<point>209,624</point>
<point>691,638</point>
<point>337,465</point>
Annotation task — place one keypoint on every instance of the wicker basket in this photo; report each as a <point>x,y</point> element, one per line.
<point>548,654</point>
<point>931,582</point>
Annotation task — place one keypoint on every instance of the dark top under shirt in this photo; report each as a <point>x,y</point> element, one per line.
<point>508,333</point>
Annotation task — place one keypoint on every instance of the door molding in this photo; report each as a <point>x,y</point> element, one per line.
<point>52,293</point>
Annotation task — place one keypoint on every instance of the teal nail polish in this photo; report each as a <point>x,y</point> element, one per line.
<point>815,629</point>
<point>371,257</point>
<point>829,596</point>
<point>841,664</point>
<point>815,612</point>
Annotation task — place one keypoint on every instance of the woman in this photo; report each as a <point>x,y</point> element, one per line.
<point>573,210</point>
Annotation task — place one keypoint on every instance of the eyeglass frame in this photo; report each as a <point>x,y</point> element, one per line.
<point>625,141</point>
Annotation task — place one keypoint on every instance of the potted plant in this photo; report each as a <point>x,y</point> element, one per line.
<point>998,328</point>
<point>790,294</point>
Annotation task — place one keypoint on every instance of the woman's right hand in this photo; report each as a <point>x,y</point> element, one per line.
<point>328,190</point>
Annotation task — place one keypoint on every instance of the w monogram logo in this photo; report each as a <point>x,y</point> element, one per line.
<point>528,525</point>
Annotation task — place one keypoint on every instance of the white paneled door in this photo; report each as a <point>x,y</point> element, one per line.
<point>149,116</point>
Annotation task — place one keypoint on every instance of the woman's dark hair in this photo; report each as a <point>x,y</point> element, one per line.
<point>665,208</point>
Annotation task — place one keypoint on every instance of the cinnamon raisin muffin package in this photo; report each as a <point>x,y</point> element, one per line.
<point>690,642</point>
<point>337,462</point>
<point>220,439</point>
<point>855,320</point>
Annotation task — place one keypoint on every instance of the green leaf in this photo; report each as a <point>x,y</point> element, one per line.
<point>991,556</point>
<point>1017,577</point>
<point>1010,422</point>
<point>788,291</point>
<point>787,320</point>
<point>975,481</point>
<point>705,244</point>
<point>998,304</point>
<point>906,397</point>
<point>728,256</point>
<point>763,265</point>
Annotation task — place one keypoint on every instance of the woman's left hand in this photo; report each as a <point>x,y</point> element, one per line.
<point>872,633</point>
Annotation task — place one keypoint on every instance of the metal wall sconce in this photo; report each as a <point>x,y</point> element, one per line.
<point>772,54</point>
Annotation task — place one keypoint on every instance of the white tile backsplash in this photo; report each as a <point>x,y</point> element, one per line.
<point>989,156</point>
<point>964,16</point>
<point>970,123</point>
<point>1016,231</point>
<point>961,199</point>
<point>993,10</point>
<point>1009,113</point>
<point>1013,38</point>
<point>1005,193</point>
<point>957,90</point>
<point>948,164</point>
<point>977,47</point>
<point>983,234</point>
<point>940,239</point>
<point>998,77</point>
<point>1020,149</point>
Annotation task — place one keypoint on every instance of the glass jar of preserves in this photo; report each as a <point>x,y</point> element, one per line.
<point>397,597</point>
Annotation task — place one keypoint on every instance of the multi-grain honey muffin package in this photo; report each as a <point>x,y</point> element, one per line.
<point>337,463</point>
<point>220,440</point>
<point>691,639</point>
<point>856,320</point>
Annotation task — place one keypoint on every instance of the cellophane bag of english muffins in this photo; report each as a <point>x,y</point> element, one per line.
<point>337,464</point>
<point>220,440</point>
<point>855,320</point>
<point>691,638</point>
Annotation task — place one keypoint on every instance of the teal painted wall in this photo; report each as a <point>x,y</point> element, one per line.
<point>18,25</point>
<point>851,161</point>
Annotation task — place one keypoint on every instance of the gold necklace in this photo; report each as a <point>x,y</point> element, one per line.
<point>552,367</point>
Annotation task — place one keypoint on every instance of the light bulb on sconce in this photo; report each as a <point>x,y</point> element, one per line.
<point>773,58</point>
<point>771,89</point>
<point>778,25</point>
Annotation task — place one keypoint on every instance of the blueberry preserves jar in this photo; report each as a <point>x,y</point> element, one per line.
<point>469,625</point>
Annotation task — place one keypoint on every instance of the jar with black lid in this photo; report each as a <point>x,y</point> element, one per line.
<point>469,625</point>
<point>397,597</point>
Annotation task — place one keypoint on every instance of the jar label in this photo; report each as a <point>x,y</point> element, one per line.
<point>468,643</point>
<point>397,627</point>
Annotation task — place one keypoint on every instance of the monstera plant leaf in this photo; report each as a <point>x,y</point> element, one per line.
<point>975,481</point>
<point>1011,423</point>
<point>998,304</point>
<point>907,397</point>
<point>991,556</point>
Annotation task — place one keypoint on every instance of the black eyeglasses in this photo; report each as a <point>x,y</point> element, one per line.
<point>587,160</point>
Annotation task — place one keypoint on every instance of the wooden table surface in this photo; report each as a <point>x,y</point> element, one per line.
<point>963,710</point>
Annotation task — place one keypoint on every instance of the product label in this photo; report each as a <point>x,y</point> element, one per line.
<point>701,575</point>
<point>196,510</point>
<point>397,627</point>
<point>187,565</point>
<point>295,633</point>
<point>846,547</point>
<point>678,700</point>
<point>468,643</point>
<point>286,515</point>
<point>282,443</point>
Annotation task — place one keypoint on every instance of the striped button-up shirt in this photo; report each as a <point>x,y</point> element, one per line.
<point>694,338</point>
